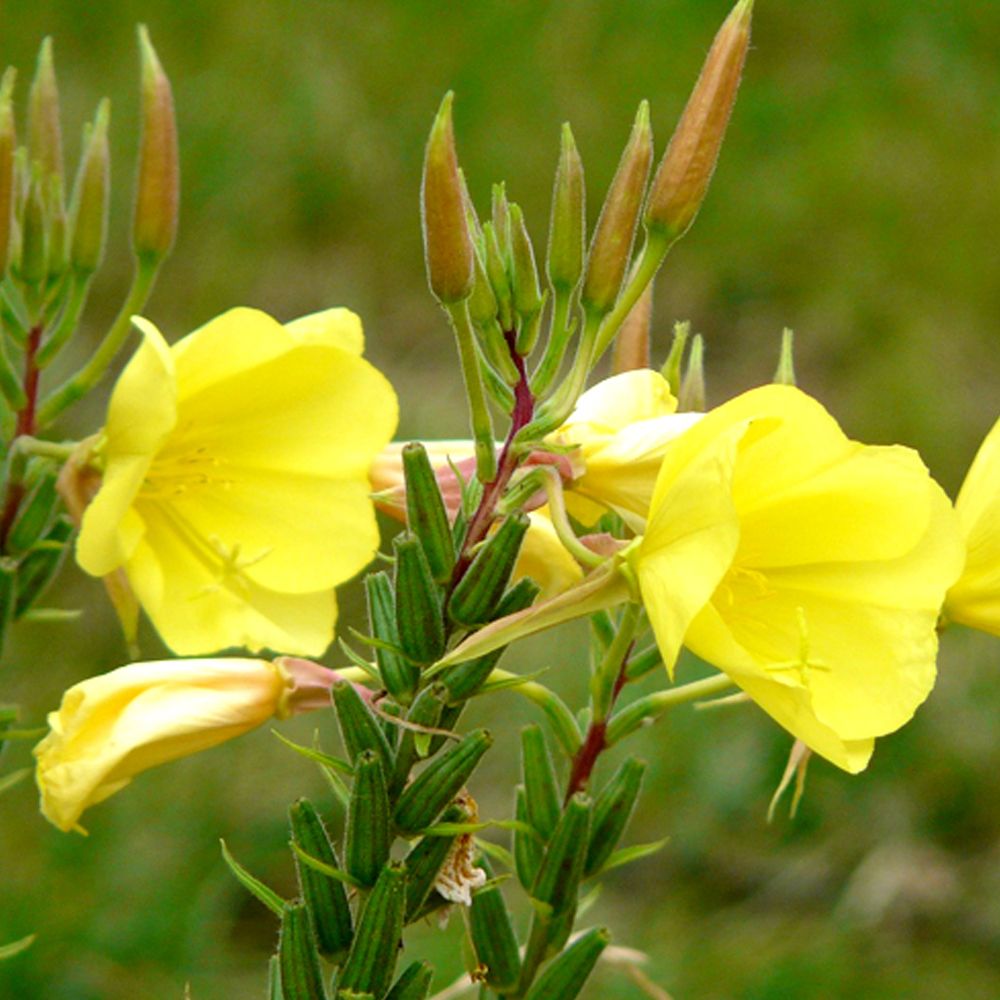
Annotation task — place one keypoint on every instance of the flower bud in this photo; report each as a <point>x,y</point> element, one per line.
<point>528,299</point>
<point>564,261</point>
<point>611,246</point>
<point>44,132</point>
<point>447,244</point>
<point>158,182</point>
<point>691,397</point>
<point>496,271</point>
<point>89,204</point>
<point>112,727</point>
<point>686,169</point>
<point>8,143</point>
<point>785,372</point>
<point>34,263</point>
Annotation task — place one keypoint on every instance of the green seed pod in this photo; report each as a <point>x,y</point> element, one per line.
<point>414,982</point>
<point>429,793</point>
<point>527,848</point>
<point>367,838</point>
<point>426,516</point>
<point>398,674</point>
<point>567,222</point>
<point>301,978</point>
<point>359,727</point>
<point>493,936</point>
<point>448,722</point>
<point>324,896</point>
<point>390,710</point>
<point>419,622</point>
<point>425,711</point>
<point>541,793</point>
<point>424,862</point>
<point>40,566</point>
<point>566,975</point>
<point>35,514</point>
<point>372,958</point>
<point>476,596</point>
<point>612,810</point>
<point>463,680</point>
<point>559,874</point>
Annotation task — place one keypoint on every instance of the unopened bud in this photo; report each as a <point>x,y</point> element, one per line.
<point>8,143</point>
<point>631,350</point>
<point>528,299</point>
<point>33,266</point>
<point>44,132</point>
<point>684,173</point>
<point>785,373</point>
<point>500,211</point>
<point>158,184</point>
<point>611,246</point>
<point>89,205</point>
<point>55,210</point>
<point>447,244</point>
<point>566,226</point>
<point>496,271</point>
<point>671,369</point>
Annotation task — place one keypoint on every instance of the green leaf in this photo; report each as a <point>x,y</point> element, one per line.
<point>629,854</point>
<point>335,763</point>
<point>16,947</point>
<point>254,886</point>
<point>9,781</point>
<point>323,867</point>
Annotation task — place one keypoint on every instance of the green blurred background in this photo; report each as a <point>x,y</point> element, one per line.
<point>856,201</point>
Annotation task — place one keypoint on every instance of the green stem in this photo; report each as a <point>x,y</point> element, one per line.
<point>602,683</point>
<point>88,376</point>
<point>79,287</point>
<point>45,449</point>
<point>561,330</point>
<point>651,706</point>
<point>482,426</point>
<point>560,521</point>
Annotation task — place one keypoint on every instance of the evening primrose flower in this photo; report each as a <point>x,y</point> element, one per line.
<point>975,599</point>
<point>110,728</point>
<point>829,560</point>
<point>235,491</point>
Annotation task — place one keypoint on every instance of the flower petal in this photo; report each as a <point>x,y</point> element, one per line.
<point>334,327</point>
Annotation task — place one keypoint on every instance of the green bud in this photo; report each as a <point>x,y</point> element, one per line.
<point>40,566</point>
<point>398,674</point>
<point>528,299</point>
<point>8,599</point>
<point>34,264</point>
<point>496,271</point>
<point>158,183</point>
<point>359,727</point>
<point>612,810</point>
<point>425,711</point>
<point>476,596</point>
<point>567,973</point>
<point>426,797</point>
<point>8,144</point>
<point>324,896</point>
<point>367,838</point>
<point>785,373</point>
<point>424,862</point>
<point>692,394</point>
<point>426,516</point>
<point>372,959</point>
<point>56,215</point>
<point>482,301</point>
<point>564,261</point>
<point>301,978</point>
<point>685,171</point>
<point>447,245</point>
<point>541,793</point>
<point>611,246</point>
<point>671,369</point>
<point>44,131</point>
<point>493,938</point>
<point>527,848</point>
<point>559,874</point>
<point>35,514</point>
<point>414,982</point>
<point>89,204</point>
<point>419,619</point>
<point>464,679</point>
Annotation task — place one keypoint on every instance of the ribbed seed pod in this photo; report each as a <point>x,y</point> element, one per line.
<point>359,727</point>
<point>527,848</point>
<point>398,674</point>
<point>612,810</point>
<point>301,978</point>
<point>429,793</point>
<point>541,793</point>
<point>493,936</point>
<point>425,711</point>
<point>40,566</point>
<point>414,982</point>
<point>367,837</point>
<point>426,516</point>
<point>419,621</point>
<point>559,874</point>
<point>566,975</point>
<point>424,862</point>
<point>324,896</point>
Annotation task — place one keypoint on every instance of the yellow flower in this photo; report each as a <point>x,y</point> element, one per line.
<point>827,565</point>
<point>975,599</point>
<point>235,488</point>
<point>109,728</point>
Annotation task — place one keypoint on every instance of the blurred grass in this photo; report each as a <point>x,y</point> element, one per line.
<point>855,201</point>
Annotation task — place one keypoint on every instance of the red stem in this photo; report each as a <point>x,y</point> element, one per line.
<point>25,426</point>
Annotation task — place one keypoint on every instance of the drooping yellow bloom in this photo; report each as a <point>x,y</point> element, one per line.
<point>975,598</point>
<point>829,560</point>
<point>235,489</point>
<point>111,727</point>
